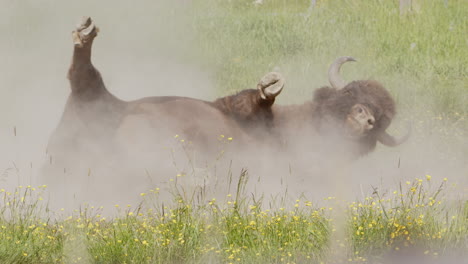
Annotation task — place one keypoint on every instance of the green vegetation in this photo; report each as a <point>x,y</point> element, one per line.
<point>411,219</point>
<point>421,57</point>
<point>236,230</point>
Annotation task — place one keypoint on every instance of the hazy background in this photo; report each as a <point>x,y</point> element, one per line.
<point>205,49</point>
<point>142,52</point>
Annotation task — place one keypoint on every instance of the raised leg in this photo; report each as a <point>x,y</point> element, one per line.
<point>85,80</point>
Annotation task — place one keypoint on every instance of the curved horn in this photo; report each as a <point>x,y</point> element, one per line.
<point>391,141</point>
<point>271,85</point>
<point>334,72</point>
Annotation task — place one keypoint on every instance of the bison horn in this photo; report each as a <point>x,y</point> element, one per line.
<point>391,141</point>
<point>334,72</point>
<point>271,85</point>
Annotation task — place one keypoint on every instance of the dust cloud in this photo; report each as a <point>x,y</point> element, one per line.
<point>141,53</point>
<point>145,49</point>
<point>148,50</point>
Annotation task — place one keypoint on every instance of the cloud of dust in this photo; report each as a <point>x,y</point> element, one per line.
<point>141,52</point>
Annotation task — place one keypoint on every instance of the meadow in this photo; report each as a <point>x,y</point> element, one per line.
<point>414,219</point>
<point>421,57</point>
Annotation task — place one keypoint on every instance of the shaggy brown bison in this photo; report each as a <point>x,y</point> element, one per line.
<point>357,114</point>
<point>94,119</point>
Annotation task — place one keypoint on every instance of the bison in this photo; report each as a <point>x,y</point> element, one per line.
<point>357,114</point>
<point>94,119</point>
<point>102,139</point>
<point>98,127</point>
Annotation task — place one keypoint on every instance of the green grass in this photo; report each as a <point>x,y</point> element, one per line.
<point>27,235</point>
<point>421,57</point>
<point>414,218</point>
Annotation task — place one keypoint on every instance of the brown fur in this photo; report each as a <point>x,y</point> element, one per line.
<point>326,113</point>
<point>95,120</point>
<point>248,109</point>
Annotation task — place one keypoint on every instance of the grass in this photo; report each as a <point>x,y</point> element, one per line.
<point>415,218</point>
<point>421,57</point>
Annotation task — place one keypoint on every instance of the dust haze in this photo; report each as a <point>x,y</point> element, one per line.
<point>143,53</point>
<point>149,49</point>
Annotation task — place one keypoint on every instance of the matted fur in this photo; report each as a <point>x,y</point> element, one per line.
<point>333,104</point>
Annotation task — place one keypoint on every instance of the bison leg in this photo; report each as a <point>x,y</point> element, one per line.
<point>85,80</point>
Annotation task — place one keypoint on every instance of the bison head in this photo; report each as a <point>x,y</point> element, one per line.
<point>363,109</point>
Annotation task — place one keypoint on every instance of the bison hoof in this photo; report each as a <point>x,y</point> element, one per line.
<point>85,32</point>
<point>270,85</point>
